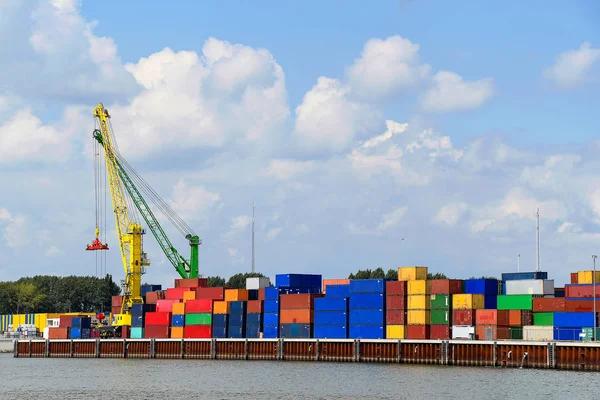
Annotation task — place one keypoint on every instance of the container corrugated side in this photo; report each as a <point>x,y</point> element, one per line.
<point>531,286</point>
<point>544,333</point>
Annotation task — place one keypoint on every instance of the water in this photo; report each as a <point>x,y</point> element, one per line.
<point>194,379</point>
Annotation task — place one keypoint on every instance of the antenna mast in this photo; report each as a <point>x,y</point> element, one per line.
<point>253,207</point>
<point>538,239</point>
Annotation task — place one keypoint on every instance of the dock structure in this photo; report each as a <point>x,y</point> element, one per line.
<point>511,354</point>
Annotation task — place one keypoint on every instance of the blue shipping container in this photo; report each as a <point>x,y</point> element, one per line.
<point>367,286</point>
<point>490,302</point>
<point>271,306</point>
<point>367,301</point>
<point>219,332</point>
<point>141,309</point>
<point>237,320</point>
<point>237,332</point>
<point>254,319</point>
<point>331,304</point>
<point>79,333</point>
<point>178,320</point>
<point>330,332</point>
<point>366,332</point>
<point>219,320</point>
<point>289,280</point>
<point>517,276</point>
<point>271,331</point>
<point>145,289</point>
<point>559,292</point>
<point>252,331</point>
<point>253,294</point>
<point>331,318</point>
<point>137,321</point>
<point>337,291</point>
<point>271,318</point>
<point>367,317</point>
<point>81,322</point>
<point>481,286</point>
<point>299,331</point>
<point>271,293</point>
<point>237,307</point>
<point>567,333</point>
<point>573,319</point>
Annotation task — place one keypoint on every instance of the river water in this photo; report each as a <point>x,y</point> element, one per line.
<point>195,379</point>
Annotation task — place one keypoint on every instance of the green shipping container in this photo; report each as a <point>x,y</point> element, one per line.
<point>198,319</point>
<point>543,318</point>
<point>515,302</point>
<point>589,334</point>
<point>440,302</point>
<point>516,333</point>
<point>439,317</point>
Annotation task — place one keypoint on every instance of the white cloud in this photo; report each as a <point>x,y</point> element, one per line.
<point>393,128</point>
<point>572,67</point>
<point>192,203</point>
<point>451,93</point>
<point>273,233</point>
<point>386,66</point>
<point>15,230</point>
<point>328,120</point>
<point>286,169</point>
<point>438,146</point>
<point>240,223</point>
<point>450,214</point>
<point>53,251</point>
<point>392,219</point>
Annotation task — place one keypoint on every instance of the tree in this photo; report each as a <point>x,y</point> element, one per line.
<point>238,281</point>
<point>216,281</point>
<point>27,297</point>
<point>437,275</point>
<point>378,274</point>
<point>392,274</point>
<point>484,277</point>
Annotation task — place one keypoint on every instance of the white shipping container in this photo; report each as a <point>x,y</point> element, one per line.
<point>53,322</point>
<point>257,283</point>
<point>544,333</point>
<point>463,332</point>
<point>530,286</point>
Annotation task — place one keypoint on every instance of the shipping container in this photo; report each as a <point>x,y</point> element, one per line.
<point>582,291</point>
<point>440,317</point>
<point>214,293</point>
<point>395,302</point>
<point>271,318</point>
<point>298,281</point>
<point>492,317</point>
<point>117,301</point>
<point>412,273</point>
<point>236,319</point>
<point>543,319</point>
<point>296,316</point>
<point>440,302</point>
<point>440,332</point>
<point>419,302</point>
<point>166,305</point>
<point>520,317</point>
<point>481,286</point>
<point>236,331</point>
<point>199,306</point>
<point>417,331</point>
<point>463,332</point>
<point>297,331</point>
<point>153,297</point>
<point>258,283</point>
<point>515,302</point>
<point>255,307</point>
<point>178,308</point>
<point>559,292</point>
<point>66,321</point>
<point>178,321</point>
<point>271,306</point>
<point>395,288</point>
<point>157,331</point>
<point>338,291</point>
<point>541,333</point>
<point>176,293</point>
<point>297,301</point>
<point>488,332</point>
<point>468,302</point>
<point>197,332</point>
<point>581,305</point>
<point>574,278</point>
<point>221,307</point>
<point>395,317</point>
<point>418,287</point>
<point>254,319</point>
<point>253,331</point>
<point>81,322</point>
<point>136,333</point>
<point>237,307</point>
<point>80,333</point>
<point>541,304</point>
<point>367,317</point>
<point>252,294</point>
<point>584,277</point>
<point>588,334</point>
<point>187,296</point>
<point>219,332</point>
<point>463,317</point>
<point>270,331</point>
<point>158,318</point>
<point>331,304</point>
<point>329,318</point>
<point>518,276</point>
<point>395,331</point>
<point>367,332</point>
<point>366,301</point>
<point>140,309</point>
<point>198,319</point>
<point>191,283</point>
<point>334,282</point>
<point>236,295</point>
<point>418,317</point>
<point>568,333</point>
<point>573,319</point>
<point>367,286</point>
<point>220,319</point>
<point>538,287</point>
<point>58,333</point>
<point>446,286</point>
<point>145,289</point>
<point>177,332</point>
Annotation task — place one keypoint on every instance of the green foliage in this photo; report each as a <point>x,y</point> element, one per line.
<point>238,281</point>
<point>484,277</point>
<point>53,294</point>
<point>368,274</point>
<point>437,275</point>
<point>216,281</point>
<point>392,274</point>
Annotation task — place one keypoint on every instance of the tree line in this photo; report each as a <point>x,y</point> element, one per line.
<point>237,281</point>
<point>392,274</point>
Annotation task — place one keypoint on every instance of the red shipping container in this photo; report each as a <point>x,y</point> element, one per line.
<point>254,307</point>
<point>176,293</point>
<point>197,332</point>
<point>395,302</point>
<point>157,331</point>
<point>581,291</point>
<point>492,332</point>
<point>199,306</point>
<point>65,321</point>
<point>439,332</point>
<point>395,317</point>
<point>165,305</point>
<point>581,305</point>
<point>116,310</point>
<point>446,286</point>
<point>492,317</point>
<point>215,293</point>
<point>296,316</point>
<point>549,304</point>
<point>261,294</point>
<point>463,317</point>
<point>153,297</point>
<point>158,318</point>
<point>520,318</point>
<point>191,283</point>
<point>417,331</point>
<point>395,287</point>
<point>125,332</point>
<point>297,301</point>
<point>117,301</point>
<point>574,278</point>
<point>58,333</point>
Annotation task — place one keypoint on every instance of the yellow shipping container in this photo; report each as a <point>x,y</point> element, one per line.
<point>412,273</point>
<point>419,302</point>
<point>587,277</point>
<point>18,319</point>
<point>418,287</point>
<point>41,321</point>
<point>468,301</point>
<point>221,307</point>
<point>236,295</point>
<point>191,295</point>
<point>418,317</point>
<point>178,308</point>
<point>177,332</point>
<point>394,331</point>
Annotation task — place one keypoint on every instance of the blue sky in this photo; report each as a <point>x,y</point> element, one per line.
<point>352,126</point>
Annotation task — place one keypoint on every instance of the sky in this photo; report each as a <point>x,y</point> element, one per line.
<point>383,135</point>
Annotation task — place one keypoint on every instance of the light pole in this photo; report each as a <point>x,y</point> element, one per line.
<point>519,262</point>
<point>594,258</point>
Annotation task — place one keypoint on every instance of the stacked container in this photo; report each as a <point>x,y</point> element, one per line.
<point>157,324</point>
<point>367,309</point>
<point>395,309</point>
<point>297,315</point>
<point>198,319</point>
<point>441,306</point>
<point>254,319</point>
<point>464,307</point>
<point>237,319</point>
<point>331,316</point>
<point>492,324</point>
<point>573,325</point>
<point>177,320</point>
<point>80,327</point>
<point>138,318</point>
<point>520,307</point>
<point>271,313</point>
<point>580,297</point>
<point>220,319</point>
<point>486,287</point>
<point>419,306</point>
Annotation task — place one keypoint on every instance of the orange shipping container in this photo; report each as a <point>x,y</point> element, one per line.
<point>296,316</point>
<point>58,333</point>
<point>261,294</point>
<point>294,301</point>
<point>489,332</point>
<point>189,296</point>
<point>255,307</point>
<point>177,332</point>
<point>334,282</point>
<point>178,308</point>
<point>221,307</point>
<point>520,318</point>
<point>492,317</point>
<point>236,295</point>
